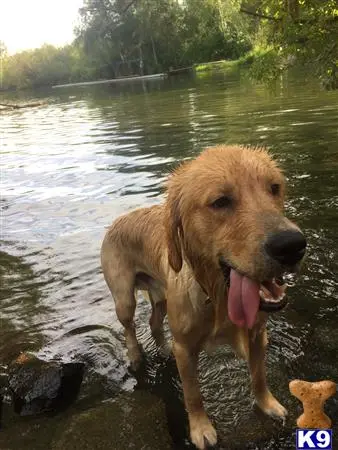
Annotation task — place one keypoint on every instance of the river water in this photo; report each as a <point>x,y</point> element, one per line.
<point>72,166</point>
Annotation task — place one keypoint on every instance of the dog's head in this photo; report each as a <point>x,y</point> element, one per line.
<point>224,215</point>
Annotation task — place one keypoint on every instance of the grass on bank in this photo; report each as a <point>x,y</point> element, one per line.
<point>265,64</point>
<point>257,56</point>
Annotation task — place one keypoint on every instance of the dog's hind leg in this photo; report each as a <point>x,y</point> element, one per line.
<point>158,313</point>
<point>121,282</point>
<point>119,274</point>
<point>125,304</point>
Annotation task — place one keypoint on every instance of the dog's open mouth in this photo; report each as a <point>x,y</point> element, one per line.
<point>272,295</point>
<point>246,296</point>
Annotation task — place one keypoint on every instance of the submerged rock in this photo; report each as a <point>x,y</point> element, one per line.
<point>38,386</point>
<point>132,421</point>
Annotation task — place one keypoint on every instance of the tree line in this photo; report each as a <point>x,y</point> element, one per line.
<point>133,37</point>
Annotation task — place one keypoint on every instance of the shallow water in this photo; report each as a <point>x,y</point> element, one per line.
<point>71,167</point>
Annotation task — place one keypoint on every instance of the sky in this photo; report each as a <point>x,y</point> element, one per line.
<point>27,24</point>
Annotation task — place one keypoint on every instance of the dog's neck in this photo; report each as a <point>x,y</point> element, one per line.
<point>211,280</point>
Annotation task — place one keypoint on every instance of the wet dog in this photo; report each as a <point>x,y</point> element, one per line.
<point>212,257</point>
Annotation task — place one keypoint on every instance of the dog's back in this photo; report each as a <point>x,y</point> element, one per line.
<point>135,241</point>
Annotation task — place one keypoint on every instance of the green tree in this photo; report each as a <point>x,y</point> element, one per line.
<point>160,33</point>
<point>45,66</point>
<point>303,31</point>
<point>129,37</point>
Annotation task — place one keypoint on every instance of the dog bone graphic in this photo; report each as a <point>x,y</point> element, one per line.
<point>313,396</point>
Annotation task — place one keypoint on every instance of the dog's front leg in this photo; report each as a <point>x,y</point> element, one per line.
<point>263,397</point>
<point>202,433</point>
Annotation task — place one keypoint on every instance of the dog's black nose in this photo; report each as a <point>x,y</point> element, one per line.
<point>286,247</point>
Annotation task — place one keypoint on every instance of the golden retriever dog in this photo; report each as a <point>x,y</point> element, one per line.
<point>212,258</point>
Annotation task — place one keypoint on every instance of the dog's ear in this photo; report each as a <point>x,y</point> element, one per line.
<point>173,227</point>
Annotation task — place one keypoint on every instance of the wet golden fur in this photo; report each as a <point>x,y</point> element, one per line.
<point>173,250</point>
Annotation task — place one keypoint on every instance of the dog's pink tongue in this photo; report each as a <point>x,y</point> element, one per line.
<point>243,300</point>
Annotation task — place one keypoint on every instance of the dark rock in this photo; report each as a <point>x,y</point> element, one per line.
<point>39,387</point>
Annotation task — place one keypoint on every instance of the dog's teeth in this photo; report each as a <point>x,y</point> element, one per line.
<point>270,299</point>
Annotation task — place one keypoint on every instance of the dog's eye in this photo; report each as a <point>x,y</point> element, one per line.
<point>275,189</point>
<point>222,202</point>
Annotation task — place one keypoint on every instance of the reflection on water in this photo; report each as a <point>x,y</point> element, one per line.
<point>21,308</point>
<point>71,167</point>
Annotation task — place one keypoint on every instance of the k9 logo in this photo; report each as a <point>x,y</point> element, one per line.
<point>313,439</point>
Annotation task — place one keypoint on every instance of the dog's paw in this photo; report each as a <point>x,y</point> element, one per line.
<point>202,433</point>
<point>271,406</point>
